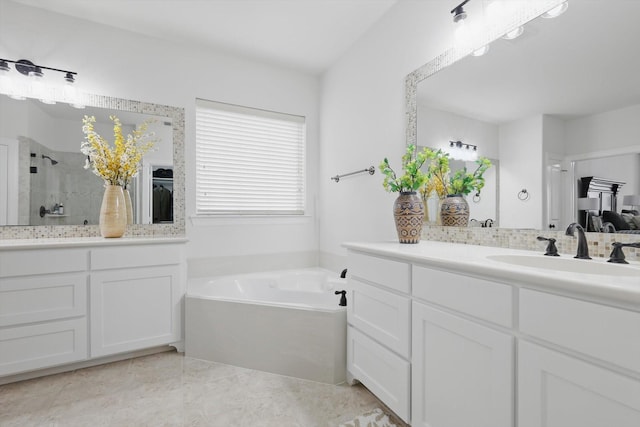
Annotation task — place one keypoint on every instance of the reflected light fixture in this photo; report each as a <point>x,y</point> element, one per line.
<point>461,151</point>
<point>556,11</point>
<point>481,51</point>
<point>513,34</point>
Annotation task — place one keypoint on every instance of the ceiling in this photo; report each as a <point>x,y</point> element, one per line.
<point>309,35</point>
<point>580,63</point>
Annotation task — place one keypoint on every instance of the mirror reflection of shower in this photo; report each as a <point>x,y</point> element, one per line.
<point>53,162</point>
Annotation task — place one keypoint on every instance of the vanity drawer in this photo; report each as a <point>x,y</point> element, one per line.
<point>385,374</point>
<point>41,298</point>
<point>42,345</point>
<point>477,297</point>
<point>384,316</point>
<point>134,256</point>
<point>46,261</point>
<point>384,272</point>
<point>607,333</point>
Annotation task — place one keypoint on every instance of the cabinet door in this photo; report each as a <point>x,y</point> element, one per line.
<point>133,309</point>
<point>384,316</point>
<point>384,373</point>
<point>556,390</point>
<point>462,372</point>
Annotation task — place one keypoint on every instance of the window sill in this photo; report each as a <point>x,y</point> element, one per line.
<point>213,220</point>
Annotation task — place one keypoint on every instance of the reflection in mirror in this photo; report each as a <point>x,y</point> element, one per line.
<point>554,105</point>
<point>45,179</point>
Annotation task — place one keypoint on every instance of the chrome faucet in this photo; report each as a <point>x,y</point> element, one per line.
<point>583,247</point>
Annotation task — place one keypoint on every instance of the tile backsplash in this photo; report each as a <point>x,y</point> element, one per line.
<point>599,243</point>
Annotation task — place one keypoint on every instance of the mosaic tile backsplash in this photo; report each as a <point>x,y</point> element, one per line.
<point>599,243</point>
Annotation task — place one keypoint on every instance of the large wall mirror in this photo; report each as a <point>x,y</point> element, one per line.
<point>42,168</point>
<point>557,104</point>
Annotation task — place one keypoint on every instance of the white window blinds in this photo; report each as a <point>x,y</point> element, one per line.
<point>248,161</point>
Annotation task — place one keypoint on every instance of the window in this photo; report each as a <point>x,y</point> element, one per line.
<point>248,161</point>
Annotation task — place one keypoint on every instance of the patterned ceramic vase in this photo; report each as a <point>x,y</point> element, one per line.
<point>113,212</point>
<point>454,211</point>
<point>408,211</point>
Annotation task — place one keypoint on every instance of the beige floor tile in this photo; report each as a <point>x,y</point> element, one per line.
<point>171,390</point>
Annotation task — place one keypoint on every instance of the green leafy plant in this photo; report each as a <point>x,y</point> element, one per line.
<point>460,182</point>
<point>413,178</point>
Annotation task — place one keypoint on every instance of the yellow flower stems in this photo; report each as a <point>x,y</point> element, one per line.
<point>117,165</point>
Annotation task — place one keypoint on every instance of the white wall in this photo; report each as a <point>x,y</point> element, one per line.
<point>363,121</point>
<point>615,130</point>
<point>122,64</point>
<point>521,168</point>
<point>436,128</point>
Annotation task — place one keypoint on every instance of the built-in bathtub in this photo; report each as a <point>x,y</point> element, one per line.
<point>286,322</point>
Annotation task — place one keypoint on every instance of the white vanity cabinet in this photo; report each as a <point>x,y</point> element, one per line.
<point>378,332</point>
<point>76,300</point>
<point>490,346</point>
<point>136,296</point>
<point>575,372</point>
<point>43,308</point>
<point>462,370</point>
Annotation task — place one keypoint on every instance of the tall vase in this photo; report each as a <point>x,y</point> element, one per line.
<point>455,211</point>
<point>113,212</point>
<point>408,211</point>
<point>128,205</point>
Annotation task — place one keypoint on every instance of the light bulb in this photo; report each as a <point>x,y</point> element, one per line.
<point>556,11</point>
<point>481,51</point>
<point>36,87</point>
<point>515,33</point>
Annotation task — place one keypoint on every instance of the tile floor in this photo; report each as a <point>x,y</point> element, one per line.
<point>168,389</point>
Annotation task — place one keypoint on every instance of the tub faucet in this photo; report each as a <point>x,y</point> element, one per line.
<point>343,274</point>
<point>583,247</point>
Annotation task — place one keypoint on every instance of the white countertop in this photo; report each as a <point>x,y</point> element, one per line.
<point>47,243</point>
<point>473,260</point>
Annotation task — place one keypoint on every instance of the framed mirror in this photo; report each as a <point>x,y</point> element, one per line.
<point>560,96</point>
<point>45,191</point>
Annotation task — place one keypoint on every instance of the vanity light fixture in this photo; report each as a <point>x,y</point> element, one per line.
<point>458,12</point>
<point>17,89</point>
<point>459,16</point>
<point>556,11</point>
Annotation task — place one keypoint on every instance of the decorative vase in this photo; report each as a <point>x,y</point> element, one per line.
<point>454,211</point>
<point>128,206</point>
<point>408,211</point>
<point>113,212</point>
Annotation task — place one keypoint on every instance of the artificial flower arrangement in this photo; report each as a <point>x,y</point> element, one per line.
<point>119,164</point>
<point>413,177</point>
<point>461,182</point>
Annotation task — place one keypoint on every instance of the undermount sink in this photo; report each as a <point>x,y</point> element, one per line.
<point>568,265</point>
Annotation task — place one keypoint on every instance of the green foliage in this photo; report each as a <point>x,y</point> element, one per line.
<point>413,178</point>
<point>463,182</point>
<point>438,176</point>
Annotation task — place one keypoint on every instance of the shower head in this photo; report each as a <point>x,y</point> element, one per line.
<point>53,162</point>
